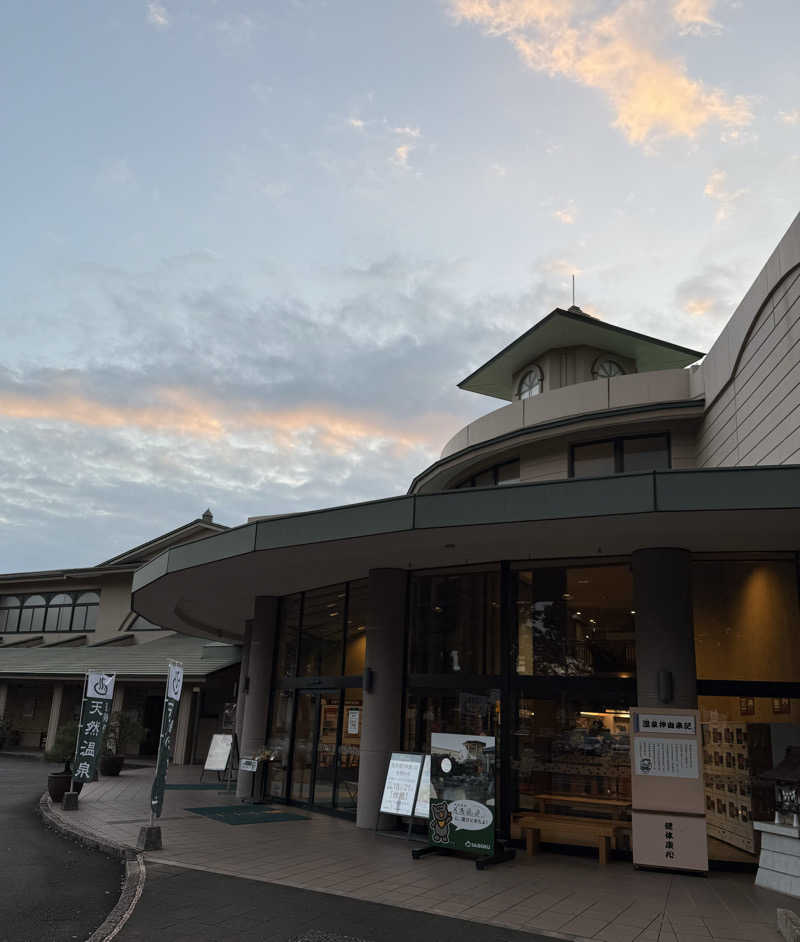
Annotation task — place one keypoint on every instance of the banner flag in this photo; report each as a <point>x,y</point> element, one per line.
<point>95,712</point>
<point>172,698</point>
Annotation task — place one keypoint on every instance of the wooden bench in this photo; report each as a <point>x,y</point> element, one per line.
<point>564,829</point>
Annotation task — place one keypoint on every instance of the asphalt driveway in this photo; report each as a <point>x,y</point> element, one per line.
<point>53,889</point>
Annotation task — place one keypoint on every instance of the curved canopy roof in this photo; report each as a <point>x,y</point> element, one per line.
<point>209,587</point>
<point>573,328</point>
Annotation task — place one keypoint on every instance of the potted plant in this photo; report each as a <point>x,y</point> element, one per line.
<point>58,783</point>
<point>124,729</point>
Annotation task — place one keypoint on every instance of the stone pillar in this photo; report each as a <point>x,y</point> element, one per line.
<point>182,727</point>
<point>257,684</point>
<point>382,731</point>
<point>55,716</point>
<point>3,698</point>
<point>662,594</point>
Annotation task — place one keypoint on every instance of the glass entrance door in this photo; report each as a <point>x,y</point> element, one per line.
<point>316,738</point>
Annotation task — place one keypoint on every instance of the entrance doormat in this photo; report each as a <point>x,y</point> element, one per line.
<point>247,814</point>
<point>202,787</point>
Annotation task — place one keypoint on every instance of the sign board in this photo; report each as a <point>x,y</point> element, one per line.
<point>668,758</point>
<point>172,697</point>
<point>422,807</point>
<point>248,765</point>
<point>461,805</point>
<point>675,841</point>
<point>401,783</point>
<point>665,723</point>
<point>669,826</point>
<point>353,718</point>
<point>219,752</point>
<point>95,712</point>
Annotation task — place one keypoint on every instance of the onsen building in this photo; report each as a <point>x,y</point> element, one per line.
<point>623,530</point>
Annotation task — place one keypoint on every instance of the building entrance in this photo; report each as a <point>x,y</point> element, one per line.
<point>326,749</point>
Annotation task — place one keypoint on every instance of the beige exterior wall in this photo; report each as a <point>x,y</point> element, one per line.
<point>751,376</point>
<point>632,390</point>
<point>755,418</point>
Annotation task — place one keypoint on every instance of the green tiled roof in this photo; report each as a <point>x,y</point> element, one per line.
<point>199,658</point>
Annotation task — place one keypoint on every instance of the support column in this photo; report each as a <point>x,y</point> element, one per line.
<point>3,698</point>
<point>240,687</point>
<point>257,684</point>
<point>182,727</point>
<point>55,716</point>
<point>662,592</point>
<point>381,732</point>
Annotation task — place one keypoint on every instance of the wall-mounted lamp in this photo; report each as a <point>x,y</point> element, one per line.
<point>665,687</point>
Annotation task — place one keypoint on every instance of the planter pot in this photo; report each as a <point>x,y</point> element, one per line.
<point>59,783</point>
<point>111,765</point>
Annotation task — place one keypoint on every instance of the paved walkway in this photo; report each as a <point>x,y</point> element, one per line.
<point>52,888</point>
<point>570,896</point>
<point>180,904</point>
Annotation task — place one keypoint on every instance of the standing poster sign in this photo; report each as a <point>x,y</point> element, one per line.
<point>171,700</point>
<point>95,710</point>
<point>402,782</point>
<point>462,800</point>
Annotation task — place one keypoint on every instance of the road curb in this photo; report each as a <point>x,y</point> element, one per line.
<point>135,871</point>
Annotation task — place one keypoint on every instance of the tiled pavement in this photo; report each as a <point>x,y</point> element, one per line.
<point>570,897</point>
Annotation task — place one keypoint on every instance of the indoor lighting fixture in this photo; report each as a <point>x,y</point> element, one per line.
<point>621,713</point>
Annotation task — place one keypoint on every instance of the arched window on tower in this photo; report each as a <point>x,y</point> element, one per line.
<point>531,383</point>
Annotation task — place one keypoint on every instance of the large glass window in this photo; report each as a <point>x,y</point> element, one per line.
<point>455,624</point>
<point>9,613</point>
<point>573,757</point>
<point>321,632</point>
<point>498,474</point>
<point>746,625</point>
<point>356,641</point>
<point>51,611</point>
<point>746,620</point>
<point>615,455</point>
<point>33,609</point>
<point>288,636</point>
<point>575,621</point>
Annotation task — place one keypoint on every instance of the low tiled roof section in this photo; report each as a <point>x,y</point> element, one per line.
<point>199,658</point>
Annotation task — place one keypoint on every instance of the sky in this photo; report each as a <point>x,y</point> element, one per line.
<point>249,249</point>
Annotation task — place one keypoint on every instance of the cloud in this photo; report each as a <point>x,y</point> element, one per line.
<point>789,117</point>
<point>408,132</point>
<point>400,156</point>
<point>188,388</point>
<point>616,53</point>
<point>709,296</point>
<point>694,16</point>
<point>716,189</point>
<point>157,15</point>
<point>356,123</point>
<point>566,215</point>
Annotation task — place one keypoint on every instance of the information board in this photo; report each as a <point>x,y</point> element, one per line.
<point>668,758</point>
<point>219,752</point>
<point>668,815</point>
<point>401,783</point>
<point>248,765</point>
